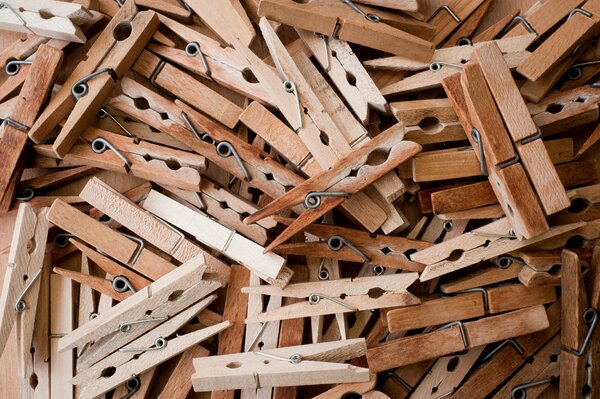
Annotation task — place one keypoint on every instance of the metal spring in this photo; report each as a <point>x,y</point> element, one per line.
<point>20,305</point>
<point>100,145</point>
<point>370,17</point>
<point>447,9</point>
<point>313,199</point>
<point>313,299</point>
<point>192,49</point>
<point>159,343</point>
<point>336,243</point>
<point>80,88</point>
<point>14,67</point>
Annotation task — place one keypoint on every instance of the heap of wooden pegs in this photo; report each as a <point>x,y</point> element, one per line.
<point>282,199</point>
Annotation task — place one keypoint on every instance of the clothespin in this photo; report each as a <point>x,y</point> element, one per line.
<point>179,11</point>
<point>536,376</point>
<point>456,337</point>
<point>581,24</point>
<point>578,323</point>
<point>151,349</point>
<point>61,322</point>
<point>356,246</point>
<point>447,374</point>
<point>268,266</point>
<point>104,286</point>
<point>507,357</point>
<point>156,231</point>
<point>447,17</point>
<point>291,366</point>
<point>20,290</point>
<point>329,189</point>
<point>541,17</point>
<point>206,57</point>
<point>487,242</point>
<point>476,109</point>
<point>327,297</point>
<point>128,250</point>
<point>445,62</point>
<point>186,88</point>
<point>84,91</point>
<point>521,128</point>
<point>268,176</point>
<point>37,86</point>
<point>339,62</point>
<point>140,313</point>
<point>468,304</point>
<point>47,18</point>
<point>348,22</point>
<point>228,208</point>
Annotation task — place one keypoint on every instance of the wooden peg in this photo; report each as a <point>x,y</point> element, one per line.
<point>341,21</point>
<point>542,16</point>
<point>61,323</point>
<point>465,31</point>
<point>448,16</point>
<point>224,19</point>
<point>456,338</point>
<point>20,289</point>
<point>36,88</point>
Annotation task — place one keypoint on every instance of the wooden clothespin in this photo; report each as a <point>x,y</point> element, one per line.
<point>348,22</point>
<point>13,144</point>
<point>533,378</point>
<point>478,113</point>
<point>140,313</point>
<point>46,18</point>
<point>346,72</point>
<point>179,11</point>
<point>291,366</point>
<point>456,337</point>
<point>152,229</point>
<point>468,304</point>
<point>21,286</point>
<point>268,266</point>
<point>327,297</point>
<point>185,87</point>
<point>578,323</point>
<point>448,16</point>
<point>507,357</point>
<point>465,32</point>
<point>266,175</point>
<point>228,208</point>
<point>356,246</point>
<point>581,24</point>
<point>225,19</point>
<point>445,62</point>
<point>156,346</point>
<point>61,323</point>
<point>84,91</point>
<point>521,128</point>
<point>128,250</point>
<point>340,180</point>
<point>470,248</point>
<point>206,57</point>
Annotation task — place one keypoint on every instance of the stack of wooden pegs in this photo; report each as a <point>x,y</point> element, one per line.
<point>283,199</point>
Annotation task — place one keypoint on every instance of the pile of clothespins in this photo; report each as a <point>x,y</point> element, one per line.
<point>299,198</point>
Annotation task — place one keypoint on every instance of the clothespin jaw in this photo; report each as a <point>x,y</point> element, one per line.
<point>290,366</point>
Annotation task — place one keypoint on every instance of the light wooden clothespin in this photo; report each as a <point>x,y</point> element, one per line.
<point>21,285</point>
<point>128,250</point>
<point>455,337</point>
<point>445,62</point>
<point>291,366</point>
<point>156,346</point>
<point>472,247</point>
<point>468,304</point>
<point>268,266</point>
<point>225,19</point>
<point>346,72</point>
<point>46,18</point>
<point>541,17</point>
<point>84,91</point>
<point>228,208</point>
<point>330,188</point>
<point>356,246</point>
<point>140,313</point>
<point>346,21</point>
<point>31,188</point>
<point>338,296</point>
<point>13,144</point>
